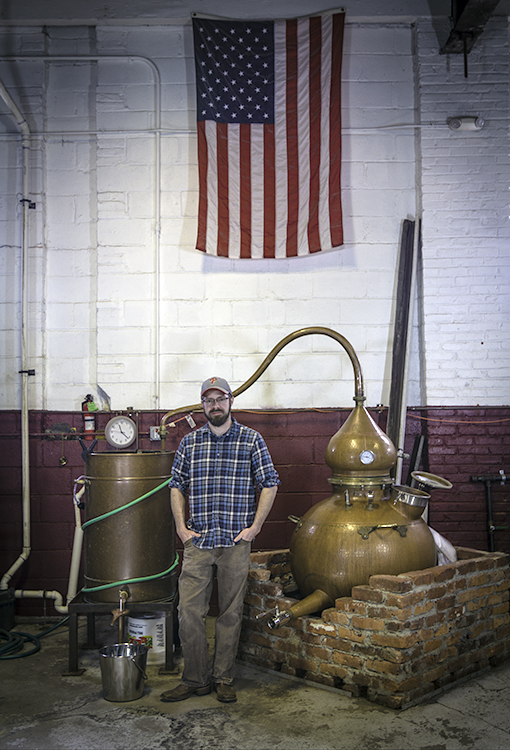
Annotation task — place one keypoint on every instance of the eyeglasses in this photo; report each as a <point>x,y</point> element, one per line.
<point>211,401</point>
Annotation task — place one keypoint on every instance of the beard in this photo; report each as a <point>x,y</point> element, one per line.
<point>218,419</point>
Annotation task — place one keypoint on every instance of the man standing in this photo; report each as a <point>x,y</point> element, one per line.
<point>218,467</point>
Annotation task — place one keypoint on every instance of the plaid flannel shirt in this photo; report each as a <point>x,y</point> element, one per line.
<point>219,475</point>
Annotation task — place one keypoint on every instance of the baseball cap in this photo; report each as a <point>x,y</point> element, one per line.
<point>219,384</point>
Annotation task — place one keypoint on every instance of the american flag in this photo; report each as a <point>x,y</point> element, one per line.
<point>269,136</point>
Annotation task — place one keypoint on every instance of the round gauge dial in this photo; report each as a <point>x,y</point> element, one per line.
<point>120,432</point>
<point>366,457</point>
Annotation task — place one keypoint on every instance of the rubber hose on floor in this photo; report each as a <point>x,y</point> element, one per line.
<point>12,643</point>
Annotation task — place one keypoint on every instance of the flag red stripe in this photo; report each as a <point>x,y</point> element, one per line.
<point>292,138</point>
<point>202,186</point>
<point>223,210</point>
<point>335,130</point>
<point>269,192</point>
<point>245,189</point>
<point>314,243</point>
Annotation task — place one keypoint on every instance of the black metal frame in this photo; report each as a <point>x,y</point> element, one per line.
<point>78,606</point>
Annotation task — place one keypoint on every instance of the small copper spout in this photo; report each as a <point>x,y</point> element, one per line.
<point>120,613</point>
<point>315,602</point>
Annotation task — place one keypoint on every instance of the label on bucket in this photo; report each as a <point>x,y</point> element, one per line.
<point>149,630</point>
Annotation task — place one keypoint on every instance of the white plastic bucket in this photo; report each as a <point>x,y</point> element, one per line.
<point>123,671</point>
<point>149,630</point>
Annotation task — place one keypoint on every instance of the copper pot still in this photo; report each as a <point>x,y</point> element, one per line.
<point>367,527</point>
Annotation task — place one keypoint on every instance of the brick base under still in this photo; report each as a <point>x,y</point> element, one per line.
<point>397,641</point>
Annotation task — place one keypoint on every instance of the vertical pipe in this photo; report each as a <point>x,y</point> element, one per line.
<point>25,204</point>
<point>402,340</point>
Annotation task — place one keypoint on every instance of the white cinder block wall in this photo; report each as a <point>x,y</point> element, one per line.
<point>119,297</point>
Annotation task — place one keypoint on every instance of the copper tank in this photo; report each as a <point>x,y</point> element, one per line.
<point>367,526</point>
<point>129,549</point>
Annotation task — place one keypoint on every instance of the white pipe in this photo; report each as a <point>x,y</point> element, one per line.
<point>157,179</point>
<point>41,594</point>
<point>72,587</point>
<point>25,469</point>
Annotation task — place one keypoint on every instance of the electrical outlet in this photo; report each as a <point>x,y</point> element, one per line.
<point>154,433</point>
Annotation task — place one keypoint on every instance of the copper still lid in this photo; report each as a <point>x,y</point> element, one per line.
<point>360,452</point>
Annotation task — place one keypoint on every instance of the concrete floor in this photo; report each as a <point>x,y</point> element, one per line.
<point>41,710</point>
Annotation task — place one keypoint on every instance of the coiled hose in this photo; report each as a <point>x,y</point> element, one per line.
<point>12,643</point>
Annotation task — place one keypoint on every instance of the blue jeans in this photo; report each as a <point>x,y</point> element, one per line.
<point>231,565</point>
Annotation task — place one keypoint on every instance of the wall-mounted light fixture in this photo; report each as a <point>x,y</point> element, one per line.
<point>465,123</point>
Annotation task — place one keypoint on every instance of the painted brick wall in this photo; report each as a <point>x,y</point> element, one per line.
<point>94,308</point>
<point>396,641</point>
<point>466,231</point>
<point>297,441</point>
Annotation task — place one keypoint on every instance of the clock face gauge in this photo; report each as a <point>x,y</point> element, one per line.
<point>120,432</point>
<point>366,457</point>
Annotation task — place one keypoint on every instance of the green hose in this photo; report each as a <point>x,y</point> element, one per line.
<point>124,507</point>
<point>133,580</point>
<point>14,642</point>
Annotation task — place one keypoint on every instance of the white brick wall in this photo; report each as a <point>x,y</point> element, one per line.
<point>465,181</point>
<point>93,256</point>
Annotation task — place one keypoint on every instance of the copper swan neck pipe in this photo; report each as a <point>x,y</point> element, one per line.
<point>359,396</point>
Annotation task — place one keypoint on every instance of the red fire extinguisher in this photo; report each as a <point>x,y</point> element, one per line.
<point>88,408</point>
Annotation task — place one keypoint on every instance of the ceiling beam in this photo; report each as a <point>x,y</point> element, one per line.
<point>469,19</point>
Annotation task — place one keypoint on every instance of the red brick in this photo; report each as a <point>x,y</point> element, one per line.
<point>395,641</point>
<point>339,644</point>
<point>447,602</point>
<point>422,577</point>
<point>367,594</point>
<point>404,600</point>
<point>436,592</point>
<point>479,580</point>
<point>264,587</point>
<point>340,618</point>
<point>259,575</point>
<point>348,660</point>
<point>308,638</point>
<point>397,584</point>
<point>445,573</point>
<point>302,663</point>
<point>318,652</point>
<point>367,623</point>
<point>317,627</point>
<point>384,667</point>
<point>349,634</point>
<point>348,604</point>
<point>465,567</point>
<point>333,670</point>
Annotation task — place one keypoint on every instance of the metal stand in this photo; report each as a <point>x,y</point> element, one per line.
<point>487,479</point>
<point>79,606</point>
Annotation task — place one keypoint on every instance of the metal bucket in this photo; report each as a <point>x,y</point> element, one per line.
<point>123,671</point>
<point>136,544</point>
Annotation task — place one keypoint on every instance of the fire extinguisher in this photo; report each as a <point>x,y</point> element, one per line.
<point>88,408</point>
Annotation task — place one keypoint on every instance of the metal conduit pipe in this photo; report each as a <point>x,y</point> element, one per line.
<point>24,371</point>
<point>156,79</point>
<point>359,396</point>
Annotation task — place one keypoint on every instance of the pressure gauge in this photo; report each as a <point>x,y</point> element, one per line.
<point>120,432</point>
<point>366,457</point>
